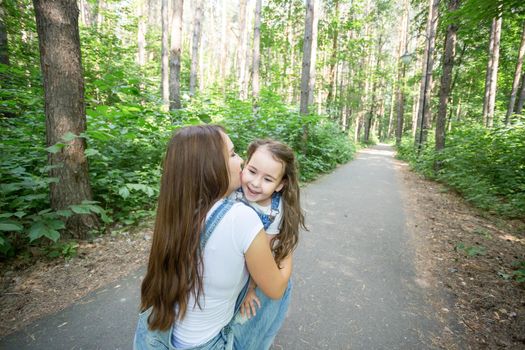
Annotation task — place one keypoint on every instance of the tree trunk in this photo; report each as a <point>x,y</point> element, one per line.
<point>165,47</point>
<point>519,107</point>
<point>308,57</point>
<point>141,35</point>
<point>517,75</point>
<point>423,119</point>
<point>175,55</point>
<point>195,47</point>
<point>256,54</point>
<point>446,78</point>
<point>313,61</point>
<point>333,60</point>
<point>241,52</point>
<point>4,51</point>
<point>60,60</point>
<point>370,118</point>
<point>492,73</point>
<point>401,81</point>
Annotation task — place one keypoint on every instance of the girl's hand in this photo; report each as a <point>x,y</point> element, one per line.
<point>250,303</point>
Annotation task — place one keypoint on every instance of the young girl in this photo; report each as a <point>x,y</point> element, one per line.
<point>269,184</point>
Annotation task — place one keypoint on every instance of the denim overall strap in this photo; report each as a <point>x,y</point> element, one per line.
<point>213,221</point>
<point>267,219</point>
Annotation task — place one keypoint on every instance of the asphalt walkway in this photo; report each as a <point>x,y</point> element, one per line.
<point>354,277</point>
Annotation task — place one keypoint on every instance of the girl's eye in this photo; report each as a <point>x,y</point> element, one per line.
<point>251,171</point>
<point>268,180</point>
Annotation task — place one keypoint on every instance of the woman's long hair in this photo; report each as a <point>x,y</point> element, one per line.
<point>195,176</point>
<point>293,219</point>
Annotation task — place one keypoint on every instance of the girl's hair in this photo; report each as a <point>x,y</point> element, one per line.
<point>195,176</point>
<point>286,241</point>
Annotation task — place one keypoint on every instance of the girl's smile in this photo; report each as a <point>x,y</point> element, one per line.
<point>261,177</point>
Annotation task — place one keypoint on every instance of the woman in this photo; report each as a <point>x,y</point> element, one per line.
<point>200,260</point>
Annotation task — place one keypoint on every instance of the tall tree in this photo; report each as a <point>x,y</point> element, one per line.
<point>517,75</point>
<point>197,18</point>
<point>401,69</point>
<point>446,78</point>
<point>165,73</point>
<point>423,117</point>
<point>4,52</point>
<point>175,54</point>
<point>333,58</point>
<point>489,101</point>
<point>309,48</point>
<point>141,33</point>
<point>241,52</point>
<point>519,106</point>
<point>60,60</point>
<point>256,54</point>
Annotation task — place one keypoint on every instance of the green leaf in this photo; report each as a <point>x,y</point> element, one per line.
<point>80,209</point>
<point>10,226</point>
<point>36,231</point>
<point>65,213</point>
<point>91,152</point>
<point>124,192</point>
<point>55,148</point>
<point>52,235</point>
<point>69,136</point>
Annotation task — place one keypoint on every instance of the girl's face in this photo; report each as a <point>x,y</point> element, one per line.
<point>234,164</point>
<point>261,177</point>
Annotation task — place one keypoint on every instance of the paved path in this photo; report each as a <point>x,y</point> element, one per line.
<point>354,278</point>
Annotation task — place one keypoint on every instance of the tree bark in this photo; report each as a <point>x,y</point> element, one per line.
<point>165,75</point>
<point>141,34</point>
<point>517,75</point>
<point>308,57</point>
<point>241,52</point>
<point>492,73</point>
<point>4,50</point>
<point>256,54</point>
<point>195,47</point>
<point>401,81</point>
<point>446,78</point>
<point>175,55</point>
<point>423,121</point>
<point>60,60</point>
<point>333,59</point>
<point>519,106</point>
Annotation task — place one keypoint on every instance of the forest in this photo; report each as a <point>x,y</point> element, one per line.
<point>90,92</point>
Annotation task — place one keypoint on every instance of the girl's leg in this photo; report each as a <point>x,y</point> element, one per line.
<point>259,331</point>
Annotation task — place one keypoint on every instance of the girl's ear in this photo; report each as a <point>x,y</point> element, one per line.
<point>281,185</point>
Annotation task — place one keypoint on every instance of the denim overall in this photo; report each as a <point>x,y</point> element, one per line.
<point>270,316</point>
<point>236,334</point>
<point>266,219</point>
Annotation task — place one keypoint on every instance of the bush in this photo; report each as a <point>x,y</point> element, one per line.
<point>126,142</point>
<point>487,166</point>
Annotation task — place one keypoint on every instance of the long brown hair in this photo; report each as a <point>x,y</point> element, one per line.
<point>195,176</point>
<point>286,241</point>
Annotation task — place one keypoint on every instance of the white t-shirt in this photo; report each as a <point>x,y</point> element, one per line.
<point>224,276</point>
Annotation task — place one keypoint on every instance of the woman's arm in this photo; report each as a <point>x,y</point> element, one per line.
<point>263,269</point>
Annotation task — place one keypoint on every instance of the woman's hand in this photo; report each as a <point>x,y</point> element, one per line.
<point>250,303</point>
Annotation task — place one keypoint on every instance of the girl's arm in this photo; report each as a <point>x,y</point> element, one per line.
<point>263,269</point>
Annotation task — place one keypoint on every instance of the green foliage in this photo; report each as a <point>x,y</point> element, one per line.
<point>487,166</point>
<point>519,273</point>
<point>471,250</point>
